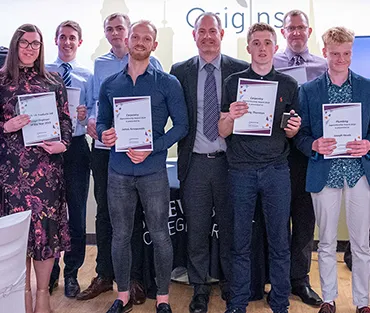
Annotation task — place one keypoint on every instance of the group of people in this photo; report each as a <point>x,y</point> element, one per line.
<point>218,170</point>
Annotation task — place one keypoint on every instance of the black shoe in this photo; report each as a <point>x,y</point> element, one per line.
<point>268,302</point>
<point>163,308</point>
<point>237,310</point>
<point>71,287</point>
<point>307,295</point>
<point>199,304</point>
<point>118,307</point>
<point>53,283</point>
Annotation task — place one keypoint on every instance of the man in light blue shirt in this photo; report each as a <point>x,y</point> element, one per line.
<point>116,28</point>
<point>68,38</point>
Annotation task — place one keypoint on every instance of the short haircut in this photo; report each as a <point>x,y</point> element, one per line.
<point>144,22</point>
<point>214,15</point>
<point>338,35</point>
<point>295,13</point>
<point>74,25</point>
<point>112,16</point>
<point>260,27</point>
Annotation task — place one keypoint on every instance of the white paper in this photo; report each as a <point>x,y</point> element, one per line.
<point>260,95</point>
<point>343,122</point>
<point>73,103</point>
<point>299,73</point>
<point>44,125</point>
<point>98,144</point>
<point>133,123</point>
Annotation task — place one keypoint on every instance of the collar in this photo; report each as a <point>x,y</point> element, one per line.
<point>348,81</point>
<point>150,69</point>
<point>73,63</point>
<point>306,56</point>
<point>111,54</point>
<point>253,75</point>
<point>216,62</point>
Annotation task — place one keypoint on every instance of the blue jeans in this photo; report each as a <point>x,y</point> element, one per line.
<point>154,193</point>
<point>273,184</point>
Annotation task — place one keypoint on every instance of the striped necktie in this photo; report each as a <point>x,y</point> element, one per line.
<point>211,111</point>
<point>297,60</point>
<point>67,74</point>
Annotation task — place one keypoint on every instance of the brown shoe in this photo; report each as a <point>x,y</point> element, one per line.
<point>327,308</point>
<point>363,310</point>
<point>137,292</point>
<point>98,285</point>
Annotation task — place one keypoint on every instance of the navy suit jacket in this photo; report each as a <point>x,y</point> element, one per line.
<point>312,96</point>
<point>187,73</point>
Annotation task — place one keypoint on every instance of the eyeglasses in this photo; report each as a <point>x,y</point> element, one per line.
<point>299,28</point>
<point>35,45</point>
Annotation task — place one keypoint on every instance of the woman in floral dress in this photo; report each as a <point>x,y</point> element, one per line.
<point>31,178</point>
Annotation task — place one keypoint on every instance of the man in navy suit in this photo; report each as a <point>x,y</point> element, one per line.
<point>329,179</point>
<point>202,164</point>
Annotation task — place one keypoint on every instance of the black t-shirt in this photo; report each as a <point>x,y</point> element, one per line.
<point>254,152</point>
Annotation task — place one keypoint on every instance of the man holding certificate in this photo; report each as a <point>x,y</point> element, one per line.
<point>140,173</point>
<point>68,38</point>
<point>335,135</point>
<point>258,165</point>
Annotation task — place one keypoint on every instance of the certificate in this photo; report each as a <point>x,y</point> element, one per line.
<point>299,73</point>
<point>342,121</point>
<point>44,125</point>
<point>98,144</point>
<point>260,95</point>
<point>133,123</point>
<point>73,102</point>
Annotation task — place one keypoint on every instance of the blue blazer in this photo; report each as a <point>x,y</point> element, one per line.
<point>312,96</point>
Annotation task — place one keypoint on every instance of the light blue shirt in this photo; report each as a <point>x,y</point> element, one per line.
<point>105,66</point>
<point>81,78</point>
<point>202,143</point>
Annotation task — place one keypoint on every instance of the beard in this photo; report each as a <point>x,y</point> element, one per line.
<point>139,55</point>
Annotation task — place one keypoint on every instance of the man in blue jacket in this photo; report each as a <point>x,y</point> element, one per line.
<point>329,179</point>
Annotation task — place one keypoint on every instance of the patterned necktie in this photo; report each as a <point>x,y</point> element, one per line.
<point>211,112</point>
<point>67,74</point>
<point>297,60</point>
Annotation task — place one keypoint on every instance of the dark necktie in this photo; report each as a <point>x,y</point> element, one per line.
<point>297,60</point>
<point>67,74</point>
<point>211,112</point>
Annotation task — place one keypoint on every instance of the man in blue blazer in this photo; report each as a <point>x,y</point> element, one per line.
<point>329,179</point>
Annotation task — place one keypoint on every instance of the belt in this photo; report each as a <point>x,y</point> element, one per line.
<point>212,155</point>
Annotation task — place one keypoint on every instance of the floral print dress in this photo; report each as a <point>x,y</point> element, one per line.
<point>30,178</point>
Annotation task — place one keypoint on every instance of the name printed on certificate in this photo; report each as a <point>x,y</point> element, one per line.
<point>98,144</point>
<point>299,73</point>
<point>133,123</point>
<point>260,95</point>
<point>343,122</point>
<point>73,102</point>
<point>44,125</point>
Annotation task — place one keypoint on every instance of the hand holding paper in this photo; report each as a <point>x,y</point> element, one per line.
<point>238,109</point>
<point>16,123</point>
<point>91,128</point>
<point>53,147</point>
<point>324,146</point>
<point>358,148</point>
<point>81,112</point>
<point>109,137</point>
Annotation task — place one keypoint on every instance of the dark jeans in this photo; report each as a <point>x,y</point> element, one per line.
<point>273,184</point>
<point>77,177</point>
<point>154,193</point>
<point>205,188</point>
<point>303,221</point>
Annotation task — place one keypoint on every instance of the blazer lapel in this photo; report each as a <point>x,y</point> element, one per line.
<point>359,95</point>
<point>192,83</point>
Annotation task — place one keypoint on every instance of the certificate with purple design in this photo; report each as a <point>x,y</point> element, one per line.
<point>98,144</point>
<point>44,125</point>
<point>299,73</point>
<point>133,123</point>
<point>260,95</point>
<point>343,122</point>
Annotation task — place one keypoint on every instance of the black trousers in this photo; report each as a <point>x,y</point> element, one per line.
<point>205,189</point>
<point>302,220</point>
